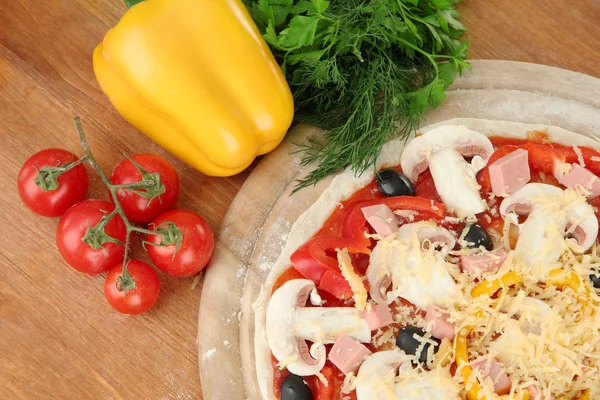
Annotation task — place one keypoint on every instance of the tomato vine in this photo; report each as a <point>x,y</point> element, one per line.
<point>150,184</point>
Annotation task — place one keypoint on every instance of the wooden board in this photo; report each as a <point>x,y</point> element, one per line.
<point>59,339</point>
<point>258,221</point>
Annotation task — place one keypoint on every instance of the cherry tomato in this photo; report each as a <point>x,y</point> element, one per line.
<point>72,184</point>
<point>142,209</point>
<point>194,249</point>
<point>140,288</point>
<point>100,251</point>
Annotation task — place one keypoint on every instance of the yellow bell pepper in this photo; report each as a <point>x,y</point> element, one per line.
<point>197,78</point>
<point>472,386</point>
<point>585,395</point>
<point>562,278</point>
<point>488,288</point>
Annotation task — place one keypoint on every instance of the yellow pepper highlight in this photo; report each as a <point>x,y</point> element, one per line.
<point>585,395</point>
<point>462,361</point>
<point>561,279</point>
<point>197,78</point>
<point>490,287</point>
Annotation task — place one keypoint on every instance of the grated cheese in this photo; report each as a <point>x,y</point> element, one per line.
<point>544,336</point>
<point>555,358</point>
<point>349,383</point>
<point>579,154</point>
<point>355,281</point>
<point>322,379</point>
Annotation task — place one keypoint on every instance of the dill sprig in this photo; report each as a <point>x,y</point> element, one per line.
<point>363,70</point>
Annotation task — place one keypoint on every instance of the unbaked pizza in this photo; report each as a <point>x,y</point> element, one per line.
<point>465,268</point>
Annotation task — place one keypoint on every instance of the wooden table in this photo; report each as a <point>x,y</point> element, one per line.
<point>58,336</point>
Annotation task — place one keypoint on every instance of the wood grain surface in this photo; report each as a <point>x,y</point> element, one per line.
<point>59,339</point>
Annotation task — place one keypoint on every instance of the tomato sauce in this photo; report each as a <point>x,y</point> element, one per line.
<point>424,187</point>
<point>333,225</point>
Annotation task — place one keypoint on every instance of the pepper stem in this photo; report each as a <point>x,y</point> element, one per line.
<point>131,3</point>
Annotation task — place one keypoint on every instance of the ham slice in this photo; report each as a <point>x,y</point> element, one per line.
<point>476,265</point>
<point>496,372</point>
<point>579,176</point>
<point>510,172</point>
<point>378,316</point>
<point>381,218</point>
<point>440,327</point>
<point>347,354</point>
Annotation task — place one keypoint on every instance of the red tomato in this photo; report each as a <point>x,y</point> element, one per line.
<point>72,184</point>
<point>328,391</point>
<point>72,229</point>
<point>194,250</point>
<point>316,260</point>
<point>542,157</point>
<point>140,288</point>
<point>354,223</point>
<point>590,156</point>
<point>142,209</point>
<point>425,187</point>
<point>334,282</point>
<point>317,256</point>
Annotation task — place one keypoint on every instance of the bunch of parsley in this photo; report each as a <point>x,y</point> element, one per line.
<point>364,70</point>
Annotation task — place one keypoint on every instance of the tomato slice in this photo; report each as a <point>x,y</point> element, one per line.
<point>542,157</point>
<point>327,392</point>
<point>425,187</point>
<point>590,156</point>
<point>354,223</point>
<point>334,282</point>
<point>317,257</point>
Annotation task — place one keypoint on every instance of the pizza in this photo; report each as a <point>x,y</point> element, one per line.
<point>467,267</point>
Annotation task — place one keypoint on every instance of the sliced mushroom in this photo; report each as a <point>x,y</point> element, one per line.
<point>427,385</point>
<point>396,267</point>
<point>522,201</point>
<point>443,150</point>
<point>531,312</point>
<point>550,217</point>
<point>388,375</point>
<point>289,325</point>
<point>583,226</point>
<point>428,231</point>
<point>376,375</point>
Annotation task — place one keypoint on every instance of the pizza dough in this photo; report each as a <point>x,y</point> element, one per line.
<point>342,187</point>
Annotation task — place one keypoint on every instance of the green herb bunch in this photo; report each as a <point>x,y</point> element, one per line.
<point>364,70</point>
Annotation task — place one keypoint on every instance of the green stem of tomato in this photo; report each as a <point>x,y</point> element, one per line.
<point>47,178</point>
<point>135,185</point>
<point>113,191</point>
<point>145,231</point>
<point>76,163</point>
<point>102,223</point>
